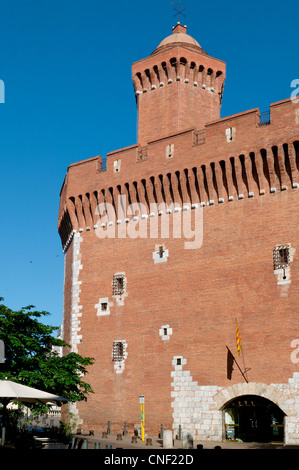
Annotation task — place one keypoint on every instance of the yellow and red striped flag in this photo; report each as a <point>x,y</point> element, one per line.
<point>238,339</point>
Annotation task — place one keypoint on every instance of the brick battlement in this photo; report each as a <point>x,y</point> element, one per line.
<point>234,158</point>
<point>172,70</point>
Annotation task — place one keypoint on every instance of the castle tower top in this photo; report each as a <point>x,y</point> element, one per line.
<point>179,37</point>
<point>178,87</point>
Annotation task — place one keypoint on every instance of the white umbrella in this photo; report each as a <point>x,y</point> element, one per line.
<point>13,391</point>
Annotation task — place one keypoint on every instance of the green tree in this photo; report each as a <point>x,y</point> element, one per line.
<point>31,360</point>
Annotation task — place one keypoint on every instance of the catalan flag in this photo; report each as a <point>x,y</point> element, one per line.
<point>238,339</point>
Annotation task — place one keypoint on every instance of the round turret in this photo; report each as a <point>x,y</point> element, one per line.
<point>179,86</point>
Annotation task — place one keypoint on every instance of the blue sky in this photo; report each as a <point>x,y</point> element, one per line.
<point>66,66</point>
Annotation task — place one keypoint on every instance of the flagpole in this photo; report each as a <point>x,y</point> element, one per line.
<point>234,359</point>
<point>241,349</point>
<point>245,368</point>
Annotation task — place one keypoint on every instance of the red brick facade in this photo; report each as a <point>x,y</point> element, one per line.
<point>241,176</point>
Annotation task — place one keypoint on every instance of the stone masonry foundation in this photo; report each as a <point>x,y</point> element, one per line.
<point>199,408</point>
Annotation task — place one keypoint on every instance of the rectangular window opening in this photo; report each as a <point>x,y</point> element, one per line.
<point>118,286</point>
<point>118,351</point>
<point>281,257</point>
<point>169,150</point>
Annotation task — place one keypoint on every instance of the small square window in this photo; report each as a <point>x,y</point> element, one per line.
<point>179,361</point>
<point>160,254</point>
<point>103,307</point>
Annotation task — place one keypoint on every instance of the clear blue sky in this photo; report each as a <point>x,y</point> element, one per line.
<point>66,66</point>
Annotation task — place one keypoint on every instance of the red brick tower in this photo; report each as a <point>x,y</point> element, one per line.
<point>158,318</point>
<point>177,87</point>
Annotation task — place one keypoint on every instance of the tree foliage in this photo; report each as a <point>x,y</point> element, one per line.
<point>31,360</point>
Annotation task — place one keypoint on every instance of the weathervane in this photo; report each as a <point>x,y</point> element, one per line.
<point>180,10</point>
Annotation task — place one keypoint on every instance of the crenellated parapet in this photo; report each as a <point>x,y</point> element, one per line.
<point>258,172</point>
<point>175,70</point>
<point>185,154</point>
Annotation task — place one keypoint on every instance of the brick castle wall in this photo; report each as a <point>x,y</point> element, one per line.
<point>238,181</point>
<point>198,293</point>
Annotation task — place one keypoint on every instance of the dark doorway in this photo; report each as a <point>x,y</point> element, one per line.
<point>251,418</point>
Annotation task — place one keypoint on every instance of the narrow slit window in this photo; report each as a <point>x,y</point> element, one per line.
<point>160,254</point>
<point>230,134</point>
<point>169,150</point>
<point>116,166</point>
<point>161,251</point>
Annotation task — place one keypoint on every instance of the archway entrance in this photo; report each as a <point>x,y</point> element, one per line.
<point>251,418</point>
